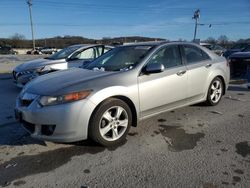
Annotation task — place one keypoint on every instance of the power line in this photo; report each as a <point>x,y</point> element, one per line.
<point>125,25</point>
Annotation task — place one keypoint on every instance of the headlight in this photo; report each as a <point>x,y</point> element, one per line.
<point>44,69</point>
<point>54,100</point>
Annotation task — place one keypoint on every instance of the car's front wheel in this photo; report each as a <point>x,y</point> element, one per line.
<point>110,122</point>
<point>215,92</point>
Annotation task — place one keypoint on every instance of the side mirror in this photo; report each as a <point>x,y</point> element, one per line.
<point>72,58</point>
<point>154,68</point>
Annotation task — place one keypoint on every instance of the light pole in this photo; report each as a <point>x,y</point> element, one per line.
<point>29,2</point>
<point>196,17</point>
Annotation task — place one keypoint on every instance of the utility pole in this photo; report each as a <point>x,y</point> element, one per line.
<point>196,18</point>
<point>29,2</point>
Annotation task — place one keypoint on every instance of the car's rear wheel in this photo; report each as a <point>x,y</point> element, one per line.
<point>110,122</point>
<point>215,92</point>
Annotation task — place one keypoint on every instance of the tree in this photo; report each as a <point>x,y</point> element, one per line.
<point>17,40</point>
<point>223,40</point>
<point>211,40</point>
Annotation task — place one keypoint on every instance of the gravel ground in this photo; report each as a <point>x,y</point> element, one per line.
<point>195,146</point>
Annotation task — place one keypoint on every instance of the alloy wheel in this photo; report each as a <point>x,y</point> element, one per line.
<point>113,123</point>
<point>216,91</point>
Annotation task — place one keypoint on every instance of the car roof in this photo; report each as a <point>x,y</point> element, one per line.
<point>159,43</point>
<point>87,45</point>
<point>150,43</point>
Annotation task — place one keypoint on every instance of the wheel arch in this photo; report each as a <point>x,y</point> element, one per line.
<point>218,74</point>
<point>125,99</point>
<point>223,82</point>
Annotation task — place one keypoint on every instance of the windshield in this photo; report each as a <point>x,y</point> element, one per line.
<point>120,58</point>
<point>64,53</point>
<point>247,49</point>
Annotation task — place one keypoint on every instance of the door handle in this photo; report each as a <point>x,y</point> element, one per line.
<point>208,65</point>
<point>180,73</point>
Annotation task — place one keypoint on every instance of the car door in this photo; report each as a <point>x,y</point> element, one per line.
<point>79,57</point>
<point>198,65</point>
<point>165,90</point>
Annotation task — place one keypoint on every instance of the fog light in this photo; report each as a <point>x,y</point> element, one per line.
<point>48,130</point>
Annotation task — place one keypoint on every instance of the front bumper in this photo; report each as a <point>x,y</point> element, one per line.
<point>68,122</point>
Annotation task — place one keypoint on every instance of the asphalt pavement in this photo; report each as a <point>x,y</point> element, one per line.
<point>195,146</point>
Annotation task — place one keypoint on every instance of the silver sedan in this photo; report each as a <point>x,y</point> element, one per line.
<point>115,91</point>
<point>72,56</point>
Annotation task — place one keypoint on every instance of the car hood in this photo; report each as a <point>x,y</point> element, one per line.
<point>240,55</point>
<point>233,50</point>
<point>65,81</point>
<point>29,65</point>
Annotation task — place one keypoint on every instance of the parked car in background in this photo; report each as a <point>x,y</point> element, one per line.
<point>219,50</point>
<point>236,48</point>
<point>72,56</point>
<point>36,51</point>
<point>49,50</point>
<point>127,84</point>
<point>239,62</point>
<point>7,50</point>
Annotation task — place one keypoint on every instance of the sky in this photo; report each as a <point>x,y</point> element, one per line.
<point>169,19</point>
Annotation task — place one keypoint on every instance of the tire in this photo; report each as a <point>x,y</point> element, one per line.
<point>215,92</point>
<point>110,122</point>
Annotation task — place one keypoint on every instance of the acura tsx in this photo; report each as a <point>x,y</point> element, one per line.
<point>104,99</point>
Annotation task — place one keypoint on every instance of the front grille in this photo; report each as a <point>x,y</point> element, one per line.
<point>48,130</point>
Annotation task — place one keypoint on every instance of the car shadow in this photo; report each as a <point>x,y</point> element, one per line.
<point>237,88</point>
<point>12,134</point>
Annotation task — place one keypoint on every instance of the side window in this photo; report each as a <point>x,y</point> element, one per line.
<point>85,54</point>
<point>169,56</point>
<point>194,54</point>
<point>106,49</point>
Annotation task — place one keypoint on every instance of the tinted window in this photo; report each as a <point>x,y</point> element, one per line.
<point>194,54</point>
<point>168,56</point>
<point>239,46</point>
<point>247,49</point>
